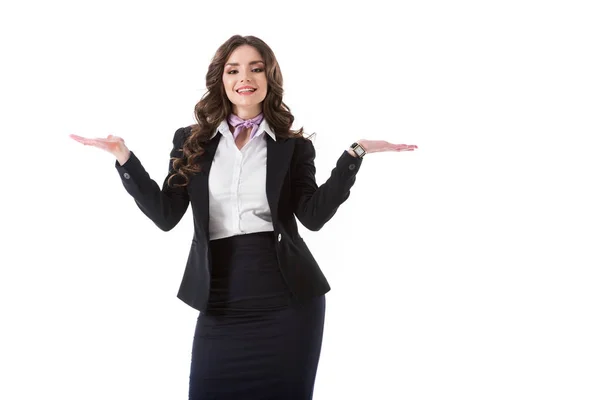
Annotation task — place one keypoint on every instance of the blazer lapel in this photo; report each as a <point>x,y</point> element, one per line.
<point>200,180</point>
<point>279,155</point>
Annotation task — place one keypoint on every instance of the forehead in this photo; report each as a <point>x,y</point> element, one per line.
<point>244,54</point>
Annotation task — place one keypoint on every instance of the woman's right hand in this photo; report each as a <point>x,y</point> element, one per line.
<point>113,144</point>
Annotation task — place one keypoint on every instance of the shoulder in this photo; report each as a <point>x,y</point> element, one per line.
<point>304,149</point>
<point>182,134</point>
<point>302,143</point>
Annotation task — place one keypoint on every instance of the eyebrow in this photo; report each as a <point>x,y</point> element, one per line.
<point>251,63</point>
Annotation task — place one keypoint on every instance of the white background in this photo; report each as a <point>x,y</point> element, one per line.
<point>467,269</point>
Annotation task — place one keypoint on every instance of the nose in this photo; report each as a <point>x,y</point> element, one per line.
<point>244,76</point>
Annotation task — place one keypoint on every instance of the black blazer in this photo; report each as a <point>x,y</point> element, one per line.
<point>291,190</point>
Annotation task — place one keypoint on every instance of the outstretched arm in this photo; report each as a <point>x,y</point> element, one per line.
<point>166,206</point>
<point>315,205</point>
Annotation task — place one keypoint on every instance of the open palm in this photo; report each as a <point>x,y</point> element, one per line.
<point>376,146</point>
<point>112,144</point>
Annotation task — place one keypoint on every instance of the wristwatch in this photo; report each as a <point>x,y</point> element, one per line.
<point>358,149</point>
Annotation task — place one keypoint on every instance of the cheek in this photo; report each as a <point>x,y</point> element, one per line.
<point>263,84</point>
<point>229,81</point>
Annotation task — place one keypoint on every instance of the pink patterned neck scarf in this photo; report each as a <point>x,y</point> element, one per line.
<point>239,124</point>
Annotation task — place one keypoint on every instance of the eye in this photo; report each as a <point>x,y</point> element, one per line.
<point>254,70</point>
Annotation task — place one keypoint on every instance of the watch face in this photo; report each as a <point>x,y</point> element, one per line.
<point>359,151</point>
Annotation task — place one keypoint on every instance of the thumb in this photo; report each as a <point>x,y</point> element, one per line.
<point>116,137</point>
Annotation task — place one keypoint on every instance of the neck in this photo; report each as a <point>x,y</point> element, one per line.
<point>246,113</point>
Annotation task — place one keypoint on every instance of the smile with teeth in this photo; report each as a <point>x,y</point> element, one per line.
<point>245,90</point>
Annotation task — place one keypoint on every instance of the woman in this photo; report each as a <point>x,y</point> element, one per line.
<point>259,292</point>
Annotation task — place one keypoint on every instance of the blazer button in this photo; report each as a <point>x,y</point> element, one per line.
<point>279,238</point>
<point>126,175</point>
<point>351,167</point>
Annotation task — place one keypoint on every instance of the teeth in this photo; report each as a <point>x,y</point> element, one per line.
<point>245,90</point>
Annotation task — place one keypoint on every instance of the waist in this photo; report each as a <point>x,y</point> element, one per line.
<point>264,240</point>
<point>245,273</point>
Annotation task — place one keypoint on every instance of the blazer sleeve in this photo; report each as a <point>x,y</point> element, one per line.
<point>315,205</point>
<point>166,206</point>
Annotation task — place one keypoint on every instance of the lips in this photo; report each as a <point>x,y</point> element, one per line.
<point>246,87</point>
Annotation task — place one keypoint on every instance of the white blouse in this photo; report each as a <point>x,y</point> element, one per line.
<point>237,185</point>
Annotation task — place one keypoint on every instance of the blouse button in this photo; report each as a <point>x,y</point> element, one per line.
<point>279,238</point>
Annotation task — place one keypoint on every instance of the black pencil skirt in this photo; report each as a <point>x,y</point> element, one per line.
<point>255,341</point>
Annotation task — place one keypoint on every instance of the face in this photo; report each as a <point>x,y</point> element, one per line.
<point>245,68</point>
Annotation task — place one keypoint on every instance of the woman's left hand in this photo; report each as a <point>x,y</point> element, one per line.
<point>376,146</point>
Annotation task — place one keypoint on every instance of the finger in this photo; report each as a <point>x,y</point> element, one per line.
<point>101,143</point>
<point>103,140</point>
<point>83,140</point>
<point>91,142</point>
<point>77,138</point>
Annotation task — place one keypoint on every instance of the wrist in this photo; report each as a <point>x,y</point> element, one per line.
<point>357,149</point>
<point>123,156</point>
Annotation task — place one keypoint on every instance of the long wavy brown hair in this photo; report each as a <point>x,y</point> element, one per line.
<point>214,106</point>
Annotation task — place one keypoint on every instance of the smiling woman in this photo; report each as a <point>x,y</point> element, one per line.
<point>256,339</point>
